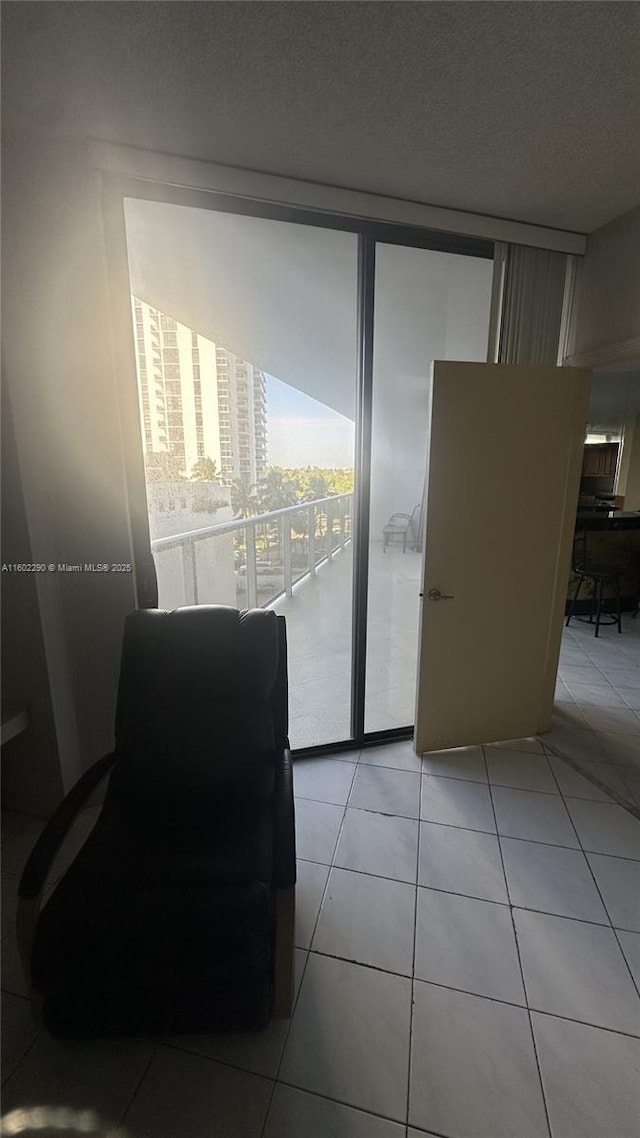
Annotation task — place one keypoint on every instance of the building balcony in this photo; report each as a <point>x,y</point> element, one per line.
<point>269,561</point>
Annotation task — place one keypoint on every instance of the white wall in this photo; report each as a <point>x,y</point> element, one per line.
<point>30,766</point>
<point>58,361</point>
<point>607,303</point>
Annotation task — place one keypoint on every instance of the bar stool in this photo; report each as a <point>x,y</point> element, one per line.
<point>601,575</point>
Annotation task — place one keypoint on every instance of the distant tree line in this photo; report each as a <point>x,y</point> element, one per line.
<point>284,486</point>
<point>281,486</point>
<point>161,466</point>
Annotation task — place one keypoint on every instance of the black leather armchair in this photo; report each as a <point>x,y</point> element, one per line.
<point>177,913</point>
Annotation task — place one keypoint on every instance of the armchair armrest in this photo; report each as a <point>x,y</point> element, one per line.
<point>284,854</point>
<point>284,881</point>
<point>56,829</point>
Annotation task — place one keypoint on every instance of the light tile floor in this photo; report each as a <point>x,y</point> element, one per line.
<point>596,725</point>
<point>598,690</point>
<point>467,966</point>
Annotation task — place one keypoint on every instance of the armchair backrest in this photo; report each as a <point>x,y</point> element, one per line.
<point>202,708</point>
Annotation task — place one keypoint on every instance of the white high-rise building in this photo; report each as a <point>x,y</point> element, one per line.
<point>197,399</point>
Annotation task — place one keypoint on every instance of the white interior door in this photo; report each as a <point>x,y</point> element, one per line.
<point>503,468</point>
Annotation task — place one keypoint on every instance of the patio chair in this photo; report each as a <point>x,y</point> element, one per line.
<point>404,528</point>
<point>177,913</point>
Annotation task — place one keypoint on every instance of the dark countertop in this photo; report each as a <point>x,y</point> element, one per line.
<point>608,519</point>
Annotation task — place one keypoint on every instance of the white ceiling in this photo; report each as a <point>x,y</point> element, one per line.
<point>529,111</point>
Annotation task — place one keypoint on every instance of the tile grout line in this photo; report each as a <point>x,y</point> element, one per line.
<point>482,900</point>
<point>557,753</point>
<point>602,757</point>
<point>593,779</point>
<point>584,854</point>
<point>613,928</point>
<point>517,944</point>
<point>623,775</point>
<point>561,916</point>
<point>154,1051</point>
<point>331,864</point>
<point>636,983</point>
<point>362,964</point>
<point>276,1079</point>
<point>491,833</point>
<point>471,896</point>
<point>172,1043</point>
<point>359,963</point>
<point>501,785</point>
<point>342,1102</point>
<point>605,688</point>
<point>615,729</point>
<point>588,667</point>
<point>525,1007</point>
<point>274,1082</point>
<point>586,1023</point>
<point>30,1045</point>
<point>415,939</point>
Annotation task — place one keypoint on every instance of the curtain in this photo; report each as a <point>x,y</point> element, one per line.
<point>533,305</point>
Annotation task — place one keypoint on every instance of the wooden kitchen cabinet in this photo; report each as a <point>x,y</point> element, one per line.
<point>600,460</point>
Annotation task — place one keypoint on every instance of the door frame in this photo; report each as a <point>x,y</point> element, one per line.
<point>117,187</point>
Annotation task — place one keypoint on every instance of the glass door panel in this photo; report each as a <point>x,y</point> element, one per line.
<point>428,305</point>
<point>245,341</point>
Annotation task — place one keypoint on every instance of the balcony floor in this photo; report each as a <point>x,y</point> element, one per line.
<point>319,639</point>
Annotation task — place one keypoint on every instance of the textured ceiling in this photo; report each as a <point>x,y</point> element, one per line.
<point>522,110</point>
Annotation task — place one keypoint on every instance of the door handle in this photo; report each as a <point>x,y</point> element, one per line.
<point>436,595</point>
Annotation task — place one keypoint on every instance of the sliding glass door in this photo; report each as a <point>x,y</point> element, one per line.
<point>245,339</point>
<point>428,305</point>
<point>281,364</point>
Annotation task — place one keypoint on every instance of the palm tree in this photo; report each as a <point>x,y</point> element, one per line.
<point>278,490</point>
<point>243,498</point>
<point>205,470</point>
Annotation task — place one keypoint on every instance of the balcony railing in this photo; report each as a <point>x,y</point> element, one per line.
<point>250,562</point>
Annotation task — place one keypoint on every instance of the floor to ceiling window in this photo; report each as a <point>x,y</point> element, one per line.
<point>245,338</point>
<point>282,364</point>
